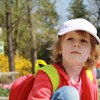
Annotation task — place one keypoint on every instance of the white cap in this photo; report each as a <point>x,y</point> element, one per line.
<point>78,24</point>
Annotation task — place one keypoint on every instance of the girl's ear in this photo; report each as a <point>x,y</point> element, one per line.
<point>59,48</point>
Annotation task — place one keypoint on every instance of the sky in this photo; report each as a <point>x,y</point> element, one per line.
<point>61,8</point>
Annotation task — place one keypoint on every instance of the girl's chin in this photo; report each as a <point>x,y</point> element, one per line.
<point>77,63</point>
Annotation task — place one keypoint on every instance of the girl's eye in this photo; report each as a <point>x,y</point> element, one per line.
<point>70,39</point>
<point>84,41</point>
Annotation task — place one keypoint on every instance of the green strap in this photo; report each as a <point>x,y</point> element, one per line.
<point>52,74</point>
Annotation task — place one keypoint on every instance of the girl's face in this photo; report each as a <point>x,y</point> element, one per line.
<point>75,48</point>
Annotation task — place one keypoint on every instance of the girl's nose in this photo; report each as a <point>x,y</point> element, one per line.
<point>76,44</point>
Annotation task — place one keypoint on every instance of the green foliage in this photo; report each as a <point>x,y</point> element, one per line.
<point>44,52</point>
<point>78,9</point>
<point>4,92</point>
<point>2,13</point>
<point>44,21</point>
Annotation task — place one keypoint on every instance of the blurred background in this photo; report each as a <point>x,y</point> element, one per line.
<point>28,30</point>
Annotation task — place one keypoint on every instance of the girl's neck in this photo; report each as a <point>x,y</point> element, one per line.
<point>73,72</point>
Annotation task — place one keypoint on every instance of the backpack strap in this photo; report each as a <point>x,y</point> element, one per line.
<point>52,74</point>
<point>89,74</point>
<point>37,64</point>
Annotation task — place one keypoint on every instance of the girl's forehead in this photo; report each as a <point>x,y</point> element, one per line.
<point>80,33</point>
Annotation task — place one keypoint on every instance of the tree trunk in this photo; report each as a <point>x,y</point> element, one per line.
<point>33,52</point>
<point>9,36</point>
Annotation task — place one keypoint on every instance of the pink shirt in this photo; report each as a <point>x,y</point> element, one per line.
<point>77,85</point>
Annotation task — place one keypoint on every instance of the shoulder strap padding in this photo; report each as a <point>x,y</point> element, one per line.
<point>52,74</point>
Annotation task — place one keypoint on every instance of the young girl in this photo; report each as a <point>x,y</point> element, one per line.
<point>75,53</point>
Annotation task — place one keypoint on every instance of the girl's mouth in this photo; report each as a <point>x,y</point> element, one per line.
<point>75,52</point>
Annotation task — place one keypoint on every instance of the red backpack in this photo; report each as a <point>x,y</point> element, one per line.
<point>23,85</point>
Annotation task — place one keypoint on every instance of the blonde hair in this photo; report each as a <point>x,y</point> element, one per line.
<point>89,64</point>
